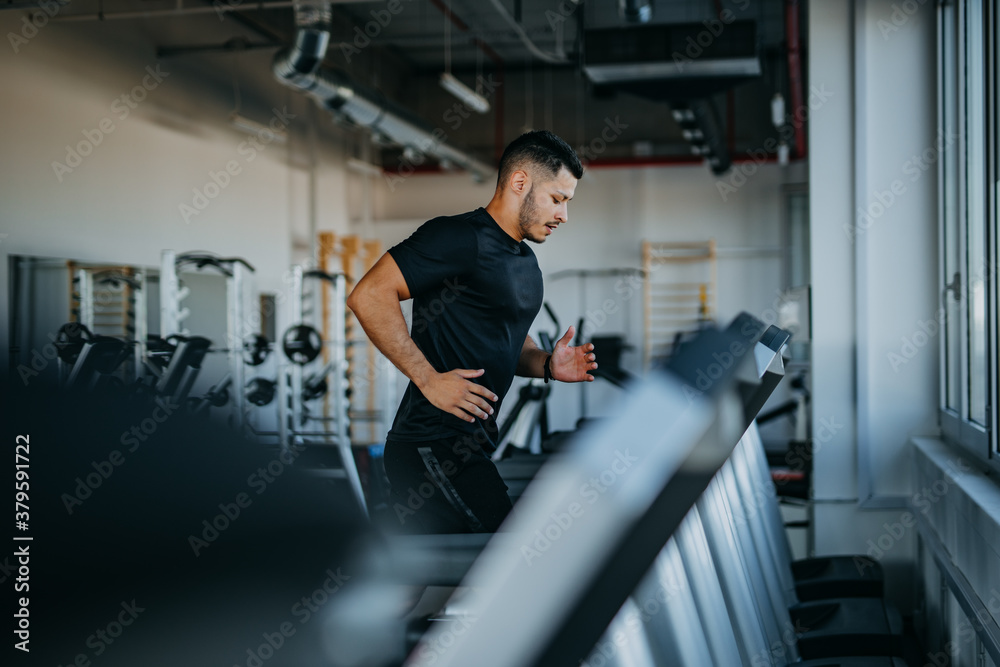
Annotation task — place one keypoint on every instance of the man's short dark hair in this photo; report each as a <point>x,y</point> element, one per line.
<point>540,149</point>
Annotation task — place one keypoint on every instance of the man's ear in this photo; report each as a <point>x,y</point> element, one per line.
<point>520,182</point>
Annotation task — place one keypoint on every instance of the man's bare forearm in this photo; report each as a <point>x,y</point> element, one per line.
<point>375,301</point>
<point>382,319</point>
<point>531,363</point>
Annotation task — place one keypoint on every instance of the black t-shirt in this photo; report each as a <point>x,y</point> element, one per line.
<point>475,292</point>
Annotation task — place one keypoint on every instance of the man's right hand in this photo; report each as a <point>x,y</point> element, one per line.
<point>375,302</point>
<point>456,394</point>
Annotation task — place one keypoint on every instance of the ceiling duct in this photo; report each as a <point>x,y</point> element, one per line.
<point>678,61</point>
<point>684,64</point>
<point>300,67</point>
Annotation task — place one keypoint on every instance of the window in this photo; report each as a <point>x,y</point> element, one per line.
<point>967,112</point>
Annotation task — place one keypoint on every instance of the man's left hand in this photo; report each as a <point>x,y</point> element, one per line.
<point>572,364</point>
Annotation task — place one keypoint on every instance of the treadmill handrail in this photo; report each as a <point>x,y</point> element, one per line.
<point>681,424</point>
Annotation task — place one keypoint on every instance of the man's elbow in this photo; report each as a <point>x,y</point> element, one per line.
<point>355,299</point>
<point>366,297</point>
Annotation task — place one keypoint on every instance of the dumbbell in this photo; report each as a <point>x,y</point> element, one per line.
<point>260,391</point>
<point>301,344</point>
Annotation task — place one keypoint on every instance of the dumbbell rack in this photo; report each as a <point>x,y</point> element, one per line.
<point>97,303</point>
<point>238,321</point>
<point>371,377</point>
<point>292,409</point>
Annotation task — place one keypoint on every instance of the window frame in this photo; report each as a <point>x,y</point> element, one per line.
<point>954,52</point>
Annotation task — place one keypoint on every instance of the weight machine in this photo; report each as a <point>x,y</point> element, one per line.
<point>311,387</point>
<point>313,407</point>
<point>111,301</point>
<point>107,326</point>
<point>238,275</point>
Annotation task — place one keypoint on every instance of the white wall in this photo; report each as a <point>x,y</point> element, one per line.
<point>612,211</point>
<point>873,281</point>
<point>121,204</point>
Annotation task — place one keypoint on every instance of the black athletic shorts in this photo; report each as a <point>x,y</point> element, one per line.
<point>445,486</point>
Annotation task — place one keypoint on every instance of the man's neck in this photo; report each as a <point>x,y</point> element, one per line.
<point>505,219</point>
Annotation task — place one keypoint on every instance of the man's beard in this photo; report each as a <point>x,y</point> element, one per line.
<point>526,214</point>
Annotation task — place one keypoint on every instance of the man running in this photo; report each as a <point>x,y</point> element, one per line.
<point>476,289</point>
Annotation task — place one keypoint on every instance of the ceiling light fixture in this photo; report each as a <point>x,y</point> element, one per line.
<point>778,110</point>
<point>465,95</point>
<point>259,130</point>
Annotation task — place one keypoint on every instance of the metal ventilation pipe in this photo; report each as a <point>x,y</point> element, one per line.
<point>299,66</point>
